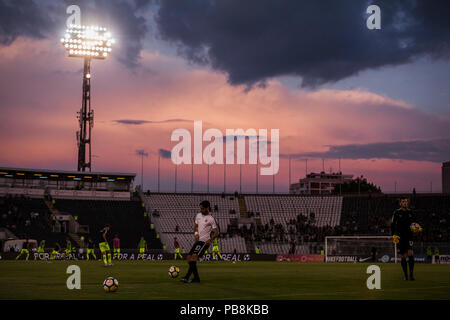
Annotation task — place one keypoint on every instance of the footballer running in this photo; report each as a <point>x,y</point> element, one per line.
<point>204,224</point>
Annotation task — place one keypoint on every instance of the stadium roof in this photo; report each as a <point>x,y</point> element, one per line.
<point>23,173</point>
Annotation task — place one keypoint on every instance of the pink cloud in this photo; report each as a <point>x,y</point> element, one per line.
<point>41,93</point>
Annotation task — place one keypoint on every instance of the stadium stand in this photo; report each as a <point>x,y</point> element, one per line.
<point>285,218</point>
<point>175,213</point>
<point>284,248</point>
<point>326,210</point>
<point>125,217</point>
<point>226,244</point>
<point>371,215</point>
<point>174,210</point>
<point>280,220</point>
<point>274,223</point>
<point>29,218</point>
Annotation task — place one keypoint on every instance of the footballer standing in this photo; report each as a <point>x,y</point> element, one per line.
<point>204,224</point>
<point>403,236</point>
<point>104,245</point>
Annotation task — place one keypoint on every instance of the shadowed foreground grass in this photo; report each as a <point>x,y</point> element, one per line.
<point>221,280</point>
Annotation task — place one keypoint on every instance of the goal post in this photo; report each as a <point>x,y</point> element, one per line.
<point>359,249</point>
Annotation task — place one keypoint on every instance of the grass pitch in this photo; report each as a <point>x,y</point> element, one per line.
<point>221,280</point>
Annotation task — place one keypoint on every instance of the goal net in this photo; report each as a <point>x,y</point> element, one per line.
<point>360,249</point>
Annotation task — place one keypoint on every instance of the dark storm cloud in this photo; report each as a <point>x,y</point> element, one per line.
<point>437,150</point>
<point>139,122</point>
<point>47,19</point>
<point>24,18</point>
<point>320,41</point>
<point>166,154</point>
<point>123,18</point>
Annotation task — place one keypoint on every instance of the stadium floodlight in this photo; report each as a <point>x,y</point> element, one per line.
<point>87,42</point>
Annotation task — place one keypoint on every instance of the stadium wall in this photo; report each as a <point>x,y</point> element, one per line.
<point>130,255</point>
<point>67,194</point>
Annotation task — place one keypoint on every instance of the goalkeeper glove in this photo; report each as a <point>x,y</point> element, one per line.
<point>395,238</point>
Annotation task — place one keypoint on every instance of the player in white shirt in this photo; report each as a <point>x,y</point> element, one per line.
<point>204,224</point>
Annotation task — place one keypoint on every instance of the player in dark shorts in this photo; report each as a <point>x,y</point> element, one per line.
<point>401,232</point>
<point>90,249</point>
<point>204,224</point>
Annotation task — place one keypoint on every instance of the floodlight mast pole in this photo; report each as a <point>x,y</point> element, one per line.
<point>86,119</point>
<point>87,42</point>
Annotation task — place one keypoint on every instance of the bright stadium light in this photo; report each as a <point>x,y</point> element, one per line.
<point>93,41</point>
<point>87,42</point>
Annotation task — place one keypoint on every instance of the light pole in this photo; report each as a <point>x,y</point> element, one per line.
<point>257,173</point>
<point>87,42</point>
<point>289,186</point>
<point>192,174</point>
<point>273,183</point>
<point>240,178</point>
<point>224,177</point>
<point>176,170</point>
<point>207,183</point>
<point>143,154</point>
<point>159,168</point>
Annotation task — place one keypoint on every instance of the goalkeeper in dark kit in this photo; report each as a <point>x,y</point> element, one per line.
<point>403,229</point>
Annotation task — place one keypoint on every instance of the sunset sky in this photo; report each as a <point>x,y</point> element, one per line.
<point>379,100</point>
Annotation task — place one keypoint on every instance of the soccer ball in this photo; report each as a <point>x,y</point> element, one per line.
<point>174,271</point>
<point>415,227</point>
<point>110,284</point>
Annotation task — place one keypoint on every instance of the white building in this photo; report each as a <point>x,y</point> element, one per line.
<point>319,183</point>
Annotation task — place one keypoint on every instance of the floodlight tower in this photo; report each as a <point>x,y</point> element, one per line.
<point>87,42</point>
